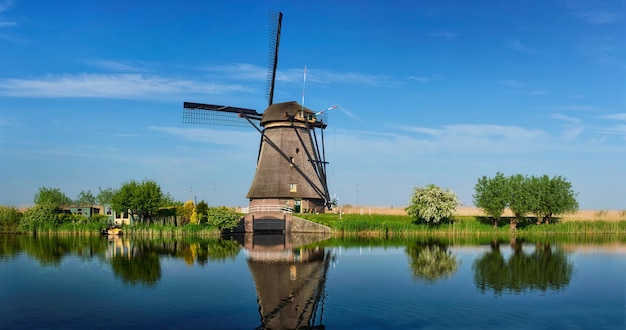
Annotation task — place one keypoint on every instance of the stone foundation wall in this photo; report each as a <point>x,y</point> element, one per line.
<point>293,224</point>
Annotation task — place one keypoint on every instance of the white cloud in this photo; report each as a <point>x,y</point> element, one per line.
<point>599,16</point>
<point>212,136</point>
<point>4,22</point>
<point>327,76</point>
<point>427,79</point>
<point>239,71</point>
<point>518,85</point>
<point>617,129</point>
<point>444,34</point>
<point>475,138</point>
<point>251,72</point>
<point>605,52</point>
<point>517,45</point>
<point>512,83</point>
<point>533,92</point>
<point>617,116</point>
<point>568,119</point>
<point>118,66</point>
<point>596,12</point>
<point>582,107</point>
<point>123,86</point>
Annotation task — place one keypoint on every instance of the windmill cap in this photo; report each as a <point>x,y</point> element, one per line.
<point>277,111</point>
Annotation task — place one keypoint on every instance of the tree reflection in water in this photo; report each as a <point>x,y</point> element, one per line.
<point>137,261</point>
<point>431,261</point>
<point>545,268</point>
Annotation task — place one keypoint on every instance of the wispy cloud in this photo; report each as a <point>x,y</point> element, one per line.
<point>444,34</point>
<point>616,130</point>
<point>605,52</point>
<point>518,86</point>
<point>123,86</point>
<point>9,122</point>
<point>328,76</point>
<point>4,6</point>
<point>512,83</point>
<point>533,92</point>
<point>562,117</point>
<point>581,107</point>
<point>599,16</point>
<point>245,71</point>
<point>239,71</point>
<point>517,45</point>
<point>481,138</point>
<point>572,127</point>
<point>616,116</point>
<point>118,66</point>
<point>427,79</point>
<point>596,12</point>
<point>212,136</point>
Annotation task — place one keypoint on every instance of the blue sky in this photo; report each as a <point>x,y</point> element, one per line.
<point>440,92</point>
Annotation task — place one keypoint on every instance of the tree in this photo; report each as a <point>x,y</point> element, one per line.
<point>105,196</point>
<point>201,210</point>
<point>85,198</point>
<point>491,195</point>
<point>432,203</point>
<point>52,196</point>
<point>522,198</point>
<point>555,196</point>
<point>141,198</point>
<point>188,209</point>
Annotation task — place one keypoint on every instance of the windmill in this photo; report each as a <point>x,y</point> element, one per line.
<point>291,162</point>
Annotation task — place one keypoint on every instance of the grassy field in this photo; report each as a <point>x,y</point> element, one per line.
<point>582,215</point>
<point>381,221</point>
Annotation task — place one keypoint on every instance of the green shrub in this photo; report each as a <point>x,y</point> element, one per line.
<point>222,217</point>
<point>9,218</point>
<point>44,215</point>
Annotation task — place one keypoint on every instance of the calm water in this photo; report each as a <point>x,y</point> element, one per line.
<point>273,282</point>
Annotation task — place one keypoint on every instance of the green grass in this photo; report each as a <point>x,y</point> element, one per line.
<point>392,225</point>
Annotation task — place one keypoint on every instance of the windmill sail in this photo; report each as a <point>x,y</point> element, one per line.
<point>276,19</point>
<point>221,115</point>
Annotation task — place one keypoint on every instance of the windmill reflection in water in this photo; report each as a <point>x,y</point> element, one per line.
<point>290,279</point>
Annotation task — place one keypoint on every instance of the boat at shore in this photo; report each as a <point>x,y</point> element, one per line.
<point>112,231</point>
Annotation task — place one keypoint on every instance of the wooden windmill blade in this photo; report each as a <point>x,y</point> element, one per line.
<point>221,115</point>
<point>276,19</point>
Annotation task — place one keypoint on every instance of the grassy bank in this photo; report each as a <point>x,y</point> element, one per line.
<point>580,215</point>
<point>392,225</point>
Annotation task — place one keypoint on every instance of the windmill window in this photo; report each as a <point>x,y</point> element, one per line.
<point>293,187</point>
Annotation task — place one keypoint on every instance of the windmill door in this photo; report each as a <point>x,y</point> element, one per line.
<point>297,205</point>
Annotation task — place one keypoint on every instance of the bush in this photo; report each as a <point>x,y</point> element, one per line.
<point>222,217</point>
<point>9,218</point>
<point>432,204</point>
<point>40,216</point>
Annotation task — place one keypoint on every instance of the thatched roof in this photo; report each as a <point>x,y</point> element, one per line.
<point>276,111</point>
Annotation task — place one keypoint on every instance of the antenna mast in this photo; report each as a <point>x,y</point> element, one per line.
<point>303,85</point>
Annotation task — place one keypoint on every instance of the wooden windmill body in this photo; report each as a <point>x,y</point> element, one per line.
<point>291,167</point>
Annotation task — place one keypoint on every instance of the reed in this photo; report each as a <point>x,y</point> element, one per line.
<point>581,215</point>
<point>472,225</point>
